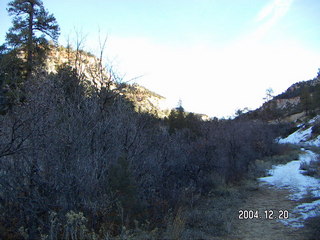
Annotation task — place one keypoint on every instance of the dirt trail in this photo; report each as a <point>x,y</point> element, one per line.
<point>266,198</point>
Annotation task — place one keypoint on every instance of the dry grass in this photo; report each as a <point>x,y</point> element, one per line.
<point>312,169</point>
<point>214,215</point>
<point>259,167</point>
<point>313,226</point>
<point>176,227</point>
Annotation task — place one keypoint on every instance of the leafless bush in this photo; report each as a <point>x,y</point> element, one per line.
<point>70,149</point>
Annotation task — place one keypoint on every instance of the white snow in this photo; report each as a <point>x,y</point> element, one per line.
<point>315,142</point>
<point>313,120</point>
<point>301,213</point>
<point>298,136</point>
<point>303,135</point>
<point>289,176</point>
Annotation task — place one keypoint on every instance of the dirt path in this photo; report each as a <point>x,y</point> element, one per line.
<point>266,198</point>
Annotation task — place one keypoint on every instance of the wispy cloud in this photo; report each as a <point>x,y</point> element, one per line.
<point>265,12</point>
<point>213,79</point>
<point>270,15</point>
<point>274,10</point>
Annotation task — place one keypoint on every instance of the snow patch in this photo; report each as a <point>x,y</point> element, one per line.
<point>303,135</point>
<point>297,137</point>
<point>301,213</point>
<point>314,142</point>
<point>313,120</point>
<point>289,176</point>
<point>300,125</point>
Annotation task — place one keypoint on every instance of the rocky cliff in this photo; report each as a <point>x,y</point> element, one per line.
<point>299,102</point>
<point>92,68</point>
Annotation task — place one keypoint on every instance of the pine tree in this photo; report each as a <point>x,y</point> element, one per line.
<point>31,25</point>
<point>316,97</point>
<point>269,95</point>
<point>306,99</point>
<point>177,118</point>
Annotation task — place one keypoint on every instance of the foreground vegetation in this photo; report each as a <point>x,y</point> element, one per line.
<point>77,162</point>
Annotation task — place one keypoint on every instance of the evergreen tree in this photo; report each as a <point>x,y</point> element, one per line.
<point>176,118</point>
<point>31,24</point>
<point>269,95</point>
<point>11,76</point>
<point>306,99</point>
<point>316,97</point>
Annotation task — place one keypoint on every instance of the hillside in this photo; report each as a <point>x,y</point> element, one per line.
<point>87,156</point>
<point>305,134</point>
<point>298,103</point>
<point>76,159</point>
<point>108,164</point>
<point>92,68</point>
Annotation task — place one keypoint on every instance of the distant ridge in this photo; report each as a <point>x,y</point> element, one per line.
<point>299,102</point>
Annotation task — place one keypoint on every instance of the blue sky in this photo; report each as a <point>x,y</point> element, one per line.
<point>215,55</point>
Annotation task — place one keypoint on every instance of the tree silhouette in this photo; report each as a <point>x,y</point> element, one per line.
<point>269,94</point>
<point>31,24</point>
<point>306,99</point>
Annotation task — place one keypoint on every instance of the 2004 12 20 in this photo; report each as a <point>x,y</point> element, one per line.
<point>267,214</point>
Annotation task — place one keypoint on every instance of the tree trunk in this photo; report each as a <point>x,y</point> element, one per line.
<point>30,39</point>
<point>33,220</point>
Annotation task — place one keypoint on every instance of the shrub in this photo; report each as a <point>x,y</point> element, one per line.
<point>312,169</point>
<point>92,154</point>
<point>312,224</point>
<point>316,129</point>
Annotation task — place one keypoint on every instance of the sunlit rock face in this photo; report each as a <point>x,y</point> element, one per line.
<point>285,103</point>
<point>147,101</point>
<point>92,69</point>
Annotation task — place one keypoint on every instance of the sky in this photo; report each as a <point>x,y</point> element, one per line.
<point>216,56</point>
